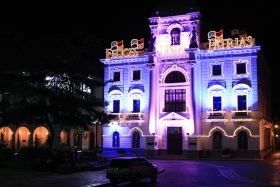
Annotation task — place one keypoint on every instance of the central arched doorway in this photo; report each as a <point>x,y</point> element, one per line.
<point>174,140</point>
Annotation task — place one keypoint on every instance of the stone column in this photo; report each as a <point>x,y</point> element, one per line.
<point>30,138</point>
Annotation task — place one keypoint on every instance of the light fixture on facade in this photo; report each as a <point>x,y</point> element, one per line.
<point>276,126</point>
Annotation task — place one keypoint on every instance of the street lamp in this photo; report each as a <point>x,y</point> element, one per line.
<point>96,144</point>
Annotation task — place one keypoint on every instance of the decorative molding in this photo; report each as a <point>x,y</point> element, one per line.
<point>144,58</point>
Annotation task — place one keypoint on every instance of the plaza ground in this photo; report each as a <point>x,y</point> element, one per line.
<point>176,173</point>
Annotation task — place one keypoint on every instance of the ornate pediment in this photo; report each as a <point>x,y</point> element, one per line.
<point>175,116</point>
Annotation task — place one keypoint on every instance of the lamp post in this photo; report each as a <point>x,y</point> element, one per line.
<point>96,138</point>
<point>276,137</point>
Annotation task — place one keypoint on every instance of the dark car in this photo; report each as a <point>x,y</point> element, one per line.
<point>131,168</point>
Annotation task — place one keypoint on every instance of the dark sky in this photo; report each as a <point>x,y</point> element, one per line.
<point>117,20</point>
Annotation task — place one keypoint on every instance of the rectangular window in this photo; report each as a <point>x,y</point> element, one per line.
<point>241,68</point>
<point>116,106</point>
<point>136,75</point>
<point>216,70</point>
<point>242,102</point>
<point>217,103</point>
<point>136,105</point>
<point>117,76</point>
<point>175,100</point>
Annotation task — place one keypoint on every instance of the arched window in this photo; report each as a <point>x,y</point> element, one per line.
<point>116,139</point>
<point>242,140</point>
<point>136,140</point>
<point>217,140</point>
<point>175,36</point>
<point>175,77</point>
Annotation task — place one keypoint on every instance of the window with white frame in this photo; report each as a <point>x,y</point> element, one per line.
<point>241,68</point>
<point>116,75</point>
<point>175,36</point>
<point>216,93</point>
<point>136,105</point>
<point>241,102</point>
<point>217,69</point>
<point>115,97</point>
<point>175,100</point>
<point>135,100</point>
<point>242,92</point>
<point>217,103</point>
<point>116,106</point>
<point>136,75</point>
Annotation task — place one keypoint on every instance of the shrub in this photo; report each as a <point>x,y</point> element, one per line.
<point>226,151</point>
<point>121,152</point>
<point>34,153</point>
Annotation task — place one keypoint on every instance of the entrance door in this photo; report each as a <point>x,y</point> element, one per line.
<point>174,140</point>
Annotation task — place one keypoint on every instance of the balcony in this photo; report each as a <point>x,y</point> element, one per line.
<point>127,117</point>
<point>215,114</point>
<point>134,116</point>
<point>242,114</point>
<point>116,116</point>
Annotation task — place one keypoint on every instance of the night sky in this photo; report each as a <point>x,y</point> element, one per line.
<point>119,20</point>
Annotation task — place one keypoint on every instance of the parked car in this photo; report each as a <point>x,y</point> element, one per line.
<point>131,168</point>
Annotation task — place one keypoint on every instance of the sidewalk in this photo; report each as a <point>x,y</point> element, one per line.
<point>81,166</point>
<point>183,157</point>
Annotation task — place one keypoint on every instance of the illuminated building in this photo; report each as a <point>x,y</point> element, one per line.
<point>184,97</point>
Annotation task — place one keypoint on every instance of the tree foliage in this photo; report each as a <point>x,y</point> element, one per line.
<point>47,78</point>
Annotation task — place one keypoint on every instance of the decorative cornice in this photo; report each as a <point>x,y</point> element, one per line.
<point>144,58</point>
<point>192,17</point>
<point>225,52</point>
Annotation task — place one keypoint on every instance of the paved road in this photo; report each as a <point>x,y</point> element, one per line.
<point>177,173</point>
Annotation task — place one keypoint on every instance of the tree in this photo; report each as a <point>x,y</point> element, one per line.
<point>49,79</point>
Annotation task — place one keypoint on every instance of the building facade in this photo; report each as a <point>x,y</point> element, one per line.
<point>183,97</point>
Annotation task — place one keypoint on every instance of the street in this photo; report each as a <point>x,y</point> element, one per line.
<point>176,173</point>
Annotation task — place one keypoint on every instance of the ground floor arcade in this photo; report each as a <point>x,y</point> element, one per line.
<point>16,137</point>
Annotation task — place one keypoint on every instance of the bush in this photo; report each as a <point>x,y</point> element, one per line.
<point>34,153</point>
<point>226,151</point>
<point>6,153</point>
<point>121,152</point>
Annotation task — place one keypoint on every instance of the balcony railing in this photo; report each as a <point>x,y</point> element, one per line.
<point>134,116</point>
<point>116,116</point>
<point>127,116</point>
<point>215,114</point>
<point>242,113</point>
